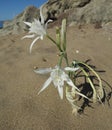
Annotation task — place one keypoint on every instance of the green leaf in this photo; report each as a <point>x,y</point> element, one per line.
<point>63,34</point>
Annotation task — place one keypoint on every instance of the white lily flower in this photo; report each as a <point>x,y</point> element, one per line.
<point>57,76</point>
<point>37,29</point>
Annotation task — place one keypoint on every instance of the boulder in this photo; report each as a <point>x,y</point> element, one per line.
<point>96,11</point>
<point>80,11</point>
<point>17,25</point>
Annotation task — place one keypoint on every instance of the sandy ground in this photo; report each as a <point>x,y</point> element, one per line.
<point>21,108</point>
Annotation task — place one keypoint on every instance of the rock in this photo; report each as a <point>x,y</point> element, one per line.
<point>80,11</point>
<point>17,25</point>
<point>94,11</point>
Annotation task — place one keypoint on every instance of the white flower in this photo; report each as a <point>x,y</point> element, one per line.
<point>57,76</point>
<point>37,29</point>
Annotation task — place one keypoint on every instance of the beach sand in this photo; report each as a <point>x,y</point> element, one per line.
<point>21,108</point>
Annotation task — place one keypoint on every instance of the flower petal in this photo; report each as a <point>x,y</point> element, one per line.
<point>41,15</point>
<point>46,84</point>
<point>69,82</point>
<point>71,69</point>
<point>37,23</point>
<point>60,90</point>
<point>41,37</point>
<point>33,43</point>
<point>43,71</point>
<point>28,23</point>
<point>50,20</point>
<point>28,36</point>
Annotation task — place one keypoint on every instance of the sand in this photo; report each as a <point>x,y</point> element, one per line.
<point>21,108</point>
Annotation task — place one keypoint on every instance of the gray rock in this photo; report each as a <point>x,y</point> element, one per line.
<point>81,11</point>
<point>94,11</point>
<point>17,25</point>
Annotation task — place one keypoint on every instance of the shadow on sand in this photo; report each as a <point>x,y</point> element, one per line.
<point>86,89</point>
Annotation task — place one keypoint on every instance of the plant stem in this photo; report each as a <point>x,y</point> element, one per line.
<point>54,42</point>
<point>66,58</point>
<point>60,60</point>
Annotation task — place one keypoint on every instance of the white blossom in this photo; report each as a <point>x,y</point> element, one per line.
<point>58,77</point>
<point>37,29</point>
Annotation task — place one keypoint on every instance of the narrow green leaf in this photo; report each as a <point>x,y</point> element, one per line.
<point>101,93</point>
<point>63,34</point>
<point>92,85</point>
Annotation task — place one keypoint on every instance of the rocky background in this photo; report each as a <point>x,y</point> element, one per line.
<point>76,11</point>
